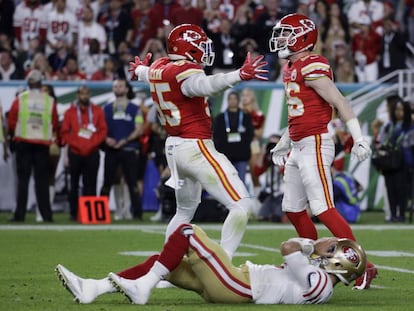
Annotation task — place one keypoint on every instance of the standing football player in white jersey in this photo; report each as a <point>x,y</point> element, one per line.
<point>29,22</point>
<point>90,29</point>
<point>311,96</point>
<point>62,28</point>
<point>179,87</point>
<point>192,261</point>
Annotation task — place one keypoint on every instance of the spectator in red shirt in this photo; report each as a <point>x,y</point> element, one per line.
<point>142,27</point>
<point>83,130</point>
<point>366,49</point>
<point>160,15</point>
<point>70,71</point>
<point>187,14</point>
<point>106,73</point>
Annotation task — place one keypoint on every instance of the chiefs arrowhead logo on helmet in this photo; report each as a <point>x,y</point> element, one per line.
<point>191,36</point>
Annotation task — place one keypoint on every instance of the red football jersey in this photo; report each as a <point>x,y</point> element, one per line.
<point>187,117</point>
<point>309,114</point>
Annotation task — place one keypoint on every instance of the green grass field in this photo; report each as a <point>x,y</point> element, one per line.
<point>30,252</point>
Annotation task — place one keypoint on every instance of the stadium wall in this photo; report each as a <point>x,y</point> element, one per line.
<point>271,100</point>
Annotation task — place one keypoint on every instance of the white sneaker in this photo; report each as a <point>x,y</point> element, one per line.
<point>137,292</point>
<point>157,216</point>
<point>117,215</point>
<point>83,290</point>
<point>126,213</point>
<point>39,217</point>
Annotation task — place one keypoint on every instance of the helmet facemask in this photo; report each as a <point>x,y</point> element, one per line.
<point>347,263</point>
<point>282,38</point>
<point>208,55</point>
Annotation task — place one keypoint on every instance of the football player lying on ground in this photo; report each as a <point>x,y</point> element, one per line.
<point>192,261</point>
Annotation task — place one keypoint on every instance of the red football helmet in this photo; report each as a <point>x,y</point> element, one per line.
<point>189,41</point>
<point>294,33</point>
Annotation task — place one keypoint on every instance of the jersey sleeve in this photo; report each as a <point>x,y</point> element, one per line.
<point>199,84</point>
<point>315,282</point>
<point>315,67</point>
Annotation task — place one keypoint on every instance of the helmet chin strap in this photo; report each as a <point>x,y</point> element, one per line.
<point>286,52</point>
<point>176,57</point>
<point>190,57</point>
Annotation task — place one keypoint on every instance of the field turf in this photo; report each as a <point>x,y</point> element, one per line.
<point>29,253</point>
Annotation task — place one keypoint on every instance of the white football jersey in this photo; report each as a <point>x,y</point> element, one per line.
<point>61,26</point>
<point>297,282</point>
<point>88,32</point>
<point>30,22</point>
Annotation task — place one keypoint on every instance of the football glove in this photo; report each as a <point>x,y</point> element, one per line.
<point>138,62</point>
<point>361,149</point>
<point>253,69</point>
<point>281,150</point>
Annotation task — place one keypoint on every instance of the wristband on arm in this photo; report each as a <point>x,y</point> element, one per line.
<point>354,129</point>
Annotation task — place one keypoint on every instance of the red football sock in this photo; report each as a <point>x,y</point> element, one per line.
<point>176,247</point>
<point>137,271</point>
<point>336,224</point>
<point>303,224</point>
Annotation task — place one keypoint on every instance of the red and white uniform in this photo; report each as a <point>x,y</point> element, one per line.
<point>29,24</point>
<point>296,282</point>
<point>308,113</point>
<point>61,27</point>
<point>308,118</point>
<point>180,115</point>
<point>179,88</point>
<point>219,281</point>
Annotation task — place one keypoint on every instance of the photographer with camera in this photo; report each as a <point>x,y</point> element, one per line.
<point>271,194</point>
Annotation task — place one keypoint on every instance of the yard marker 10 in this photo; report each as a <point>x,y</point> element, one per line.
<point>94,210</point>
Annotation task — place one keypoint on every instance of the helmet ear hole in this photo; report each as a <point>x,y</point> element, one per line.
<point>304,38</point>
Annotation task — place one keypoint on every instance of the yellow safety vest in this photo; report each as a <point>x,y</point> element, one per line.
<point>34,120</point>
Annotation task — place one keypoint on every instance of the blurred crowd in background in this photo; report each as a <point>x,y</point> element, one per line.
<point>95,39</point>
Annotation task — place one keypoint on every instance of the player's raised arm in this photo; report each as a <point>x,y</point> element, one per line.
<point>139,68</point>
<point>203,85</point>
